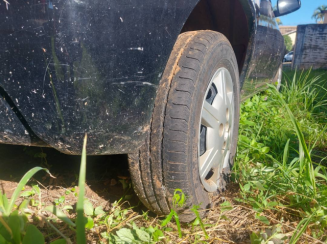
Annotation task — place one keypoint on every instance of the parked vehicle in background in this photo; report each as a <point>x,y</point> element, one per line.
<point>288,57</point>
<point>161,81</point>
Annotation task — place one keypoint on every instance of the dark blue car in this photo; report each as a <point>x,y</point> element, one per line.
<point>160,80</point>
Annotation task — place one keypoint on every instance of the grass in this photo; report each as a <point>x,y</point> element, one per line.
<point>278,193</point>
<point>276,167</point>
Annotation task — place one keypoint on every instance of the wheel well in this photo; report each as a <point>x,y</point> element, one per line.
<point>226,17</point>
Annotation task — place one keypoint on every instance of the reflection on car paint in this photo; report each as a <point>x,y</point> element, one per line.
<point>267,54</point>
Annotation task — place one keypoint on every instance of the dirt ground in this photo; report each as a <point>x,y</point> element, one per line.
<point>103,173</point>
<point>103,188</point>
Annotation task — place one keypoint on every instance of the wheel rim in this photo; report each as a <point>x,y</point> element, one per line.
<point>217,117</point>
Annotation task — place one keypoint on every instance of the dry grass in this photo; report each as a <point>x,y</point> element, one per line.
<point>232,226</point>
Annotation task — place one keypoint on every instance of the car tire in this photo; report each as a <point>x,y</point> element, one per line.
<point>196,113</point>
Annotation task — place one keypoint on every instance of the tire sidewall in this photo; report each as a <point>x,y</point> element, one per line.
<point>219,55</point>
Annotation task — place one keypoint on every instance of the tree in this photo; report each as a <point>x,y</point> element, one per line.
<point>288,43</point>
<point>279,22</point>
<point>318,14</point>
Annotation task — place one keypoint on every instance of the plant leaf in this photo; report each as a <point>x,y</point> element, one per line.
<point>157,234</point>
<point>60,214</point>
<point>68,207</point>
<point>286,152</point>
<point>259,185</point>
<point>124,183</point>
<point>33,235</point>
<point>178,224</point>
<point>88,208</point>
<point>36,188</point>
<point>20,186</point>
<point>303,149</point>
<point>90,223</point>
<point>23,205</point>
<point>4,202</point>
<point>27,193</point>
<point>263,219</point>
<point>142,235</point>
<point>225,206</point>
<point>15,226</point>
<point>265,150</point>
<point>60,241</point>
<point>302,226</point>
<point>167,219</point>
<point>2,240</point>
<point>194,209</point>
<point>255,239</point>
<point>247,187</point>
<point>98,211</point>
<point>105,235</point>
<point>126,235</point>
<point>80,226</point>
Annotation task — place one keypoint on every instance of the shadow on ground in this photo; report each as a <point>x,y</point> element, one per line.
<point>103,172</point>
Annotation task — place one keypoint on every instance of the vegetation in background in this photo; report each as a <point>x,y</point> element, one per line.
<point>288,43</point>
<point>277,166</point>
<point>279,22</point>
<point>318,14</point>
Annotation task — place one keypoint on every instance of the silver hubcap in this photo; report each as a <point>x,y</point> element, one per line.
<point>217,117</point>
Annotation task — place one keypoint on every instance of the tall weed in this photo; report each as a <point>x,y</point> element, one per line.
<point>14,227</point>
<point>274,166</point>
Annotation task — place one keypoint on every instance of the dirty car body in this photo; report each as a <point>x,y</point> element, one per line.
<point>93,66</point>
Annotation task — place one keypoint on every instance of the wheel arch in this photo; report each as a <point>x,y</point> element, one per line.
<point>234,18</point>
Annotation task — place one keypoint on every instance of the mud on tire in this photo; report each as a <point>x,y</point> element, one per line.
<point>169,158</point>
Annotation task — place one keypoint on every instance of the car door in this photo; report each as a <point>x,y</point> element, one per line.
<point>267,53</point>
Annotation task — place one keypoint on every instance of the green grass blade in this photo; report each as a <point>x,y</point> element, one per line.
<point>21,185</point>
<point>4,223</point>
<point>286,151</point>
<point>178,225</point>
<point>305,158</point>
<point>168,218</point>
<point>300,229</point>
<point>3,202</point>
<point>194,209</point>
<point>81,238</point>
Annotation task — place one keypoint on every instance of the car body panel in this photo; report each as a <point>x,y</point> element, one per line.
<point>93,66</point>
<point>87,66</point>
<point>267,54</point>
<point>12,130</point>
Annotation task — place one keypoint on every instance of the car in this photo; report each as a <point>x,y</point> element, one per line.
<point>288,57</point>
<point>160,81</point>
